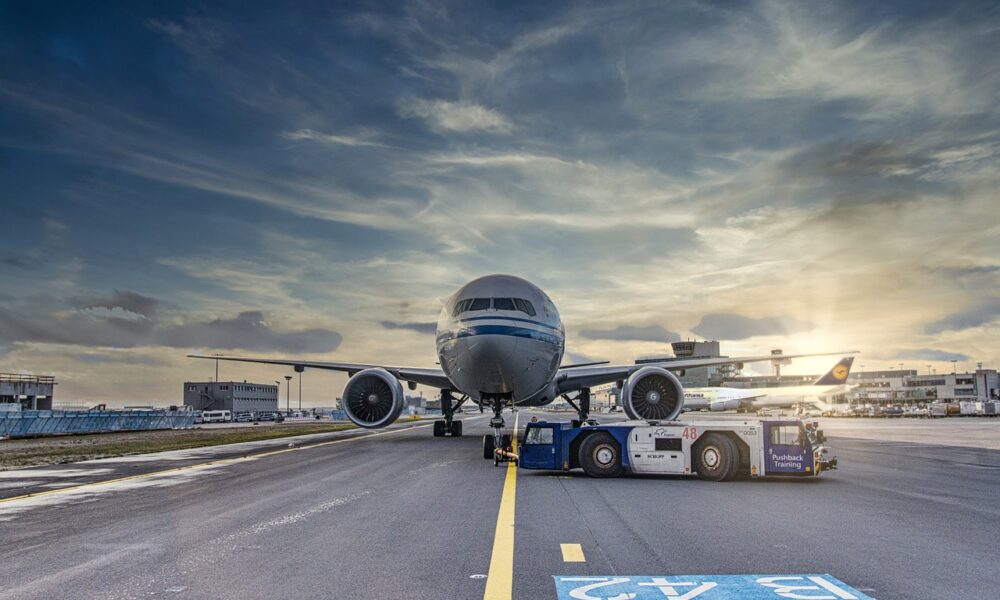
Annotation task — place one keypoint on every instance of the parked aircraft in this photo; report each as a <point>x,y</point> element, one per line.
<point>833,383</point>
<point>500,343</point>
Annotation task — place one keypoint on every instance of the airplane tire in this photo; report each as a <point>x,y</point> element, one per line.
<point>439,428</point>
<point>488,447</point>
<point>505,440</point>
<point>601,456</point>
<point>456,429</point>
<point>716,457</point>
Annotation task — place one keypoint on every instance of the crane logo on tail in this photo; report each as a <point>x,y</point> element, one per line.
<point>841,371</point>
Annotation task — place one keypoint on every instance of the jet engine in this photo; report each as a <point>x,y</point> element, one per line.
<point>653,393</point>
<point>373,398</point>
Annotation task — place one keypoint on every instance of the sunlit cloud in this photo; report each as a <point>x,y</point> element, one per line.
<point>769,174</point>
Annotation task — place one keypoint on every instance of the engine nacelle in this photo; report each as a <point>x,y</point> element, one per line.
<point>653,393</point>
<point>373,398</point>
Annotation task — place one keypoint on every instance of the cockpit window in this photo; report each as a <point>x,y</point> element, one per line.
<point>497,303</point>
<point>479,304</point>
<point>524,306</point>
<point>461,307</point>
<point>503,304</point>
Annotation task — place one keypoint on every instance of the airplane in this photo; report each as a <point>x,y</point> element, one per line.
<point>500,343</point>
<point>743,400</point>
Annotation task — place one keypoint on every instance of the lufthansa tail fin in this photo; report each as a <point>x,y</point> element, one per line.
<point>838,374</point>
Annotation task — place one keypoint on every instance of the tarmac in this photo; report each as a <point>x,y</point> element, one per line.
<point>396,513</point>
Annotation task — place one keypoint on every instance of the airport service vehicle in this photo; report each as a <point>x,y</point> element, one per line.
<point>713,449</point>
<point>500,343</point>
<point>216,416</point>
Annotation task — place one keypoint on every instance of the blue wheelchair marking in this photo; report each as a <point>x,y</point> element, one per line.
<point>704,587</point>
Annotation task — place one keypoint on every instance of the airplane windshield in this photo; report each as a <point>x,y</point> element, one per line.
<point>503,304</point>
<point>524,306</point>
<point>517,304</point>
<point>480,304</point>
<point>461,307</point>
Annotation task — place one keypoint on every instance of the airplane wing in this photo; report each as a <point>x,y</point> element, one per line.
<point>431,377</point>
<point>569,380</point>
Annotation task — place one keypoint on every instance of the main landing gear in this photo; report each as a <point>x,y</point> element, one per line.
<point>582,405</point>
<point>449,426</point>
<point>498,445</point>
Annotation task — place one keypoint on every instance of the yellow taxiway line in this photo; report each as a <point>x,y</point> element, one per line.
<point>222,461</point>
<point>500,580</point>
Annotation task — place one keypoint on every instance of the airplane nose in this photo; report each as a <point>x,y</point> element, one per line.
<point>491,349</point>
<point>486,363</point>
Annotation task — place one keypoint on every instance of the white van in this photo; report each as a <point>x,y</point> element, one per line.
<point>216,416</point>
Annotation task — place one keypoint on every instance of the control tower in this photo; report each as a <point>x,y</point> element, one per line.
<point>698,376</point>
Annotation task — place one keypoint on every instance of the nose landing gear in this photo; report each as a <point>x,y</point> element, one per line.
<point>448,426</point>
<point>498,445</point>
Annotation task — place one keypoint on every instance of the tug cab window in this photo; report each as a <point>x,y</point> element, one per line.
<point>786,435</point>
<point>538,435</point>
<point>524,306</point>
<point>503,304</point>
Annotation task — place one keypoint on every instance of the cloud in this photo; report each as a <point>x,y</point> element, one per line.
<point>132,302</point>
<point>249,331</point>
<point>418,327</point>
<point>730,326</point>
<point>327,138</point>
<point>117,358</point>
<point>442,115</point>
<point>637,333</point>
<point>575,358</point>
<point>18,260</point>
<point>930,354</point>
<point>834,164</point>
<point>978,313</point>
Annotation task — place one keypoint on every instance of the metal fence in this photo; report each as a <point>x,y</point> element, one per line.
<point>28,423</point>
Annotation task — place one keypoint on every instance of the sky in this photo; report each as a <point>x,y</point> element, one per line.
<point>312,180</point>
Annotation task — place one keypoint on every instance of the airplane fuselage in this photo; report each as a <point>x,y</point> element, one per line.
<point>500,335</point>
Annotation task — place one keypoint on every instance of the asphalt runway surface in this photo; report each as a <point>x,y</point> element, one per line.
<point>400,514</point>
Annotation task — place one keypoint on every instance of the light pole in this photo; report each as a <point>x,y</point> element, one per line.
<point>300,391</point>
<point>278,384</point>
<point>288,393</point>
<point>954,366</point>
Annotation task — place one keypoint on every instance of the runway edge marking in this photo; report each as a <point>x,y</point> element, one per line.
<point>212,463</point>
<point>500,580</point>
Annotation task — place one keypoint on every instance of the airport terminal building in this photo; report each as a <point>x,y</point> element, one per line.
<point>906,386</point>
<point>26,392</point>
<point>236,396</point>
